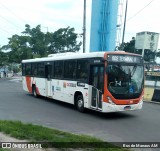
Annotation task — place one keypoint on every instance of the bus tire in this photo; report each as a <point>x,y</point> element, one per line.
<point>34,92</point>
<point>80,103</point>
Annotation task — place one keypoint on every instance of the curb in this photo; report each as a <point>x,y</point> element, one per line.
<point>151,102</point>
<point>152,94</point>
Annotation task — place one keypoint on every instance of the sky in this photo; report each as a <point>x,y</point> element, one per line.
<point>55,14</point>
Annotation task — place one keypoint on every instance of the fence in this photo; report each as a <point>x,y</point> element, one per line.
<point>152,87</point>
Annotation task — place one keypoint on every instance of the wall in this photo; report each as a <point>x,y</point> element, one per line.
<point>103,25</point>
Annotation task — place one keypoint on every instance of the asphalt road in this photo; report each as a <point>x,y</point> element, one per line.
<point>130,126</point>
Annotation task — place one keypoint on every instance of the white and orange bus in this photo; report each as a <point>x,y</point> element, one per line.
<point>102,81</point>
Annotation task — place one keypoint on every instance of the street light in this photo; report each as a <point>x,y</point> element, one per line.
<point>84,27</point>
<point>124,24</point>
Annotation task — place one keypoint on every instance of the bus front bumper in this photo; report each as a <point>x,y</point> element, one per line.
<point>107,107</point>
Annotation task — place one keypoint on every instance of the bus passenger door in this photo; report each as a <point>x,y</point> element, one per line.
<point>48,80</point>
<point>97,83</point>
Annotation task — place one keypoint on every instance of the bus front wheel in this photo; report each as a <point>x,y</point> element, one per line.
<point>80,103</point>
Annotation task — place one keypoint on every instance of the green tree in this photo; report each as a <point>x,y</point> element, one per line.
<point>149,55</point>
<point>64,40</point>
<point>158,54</point>
<point>3,59</point>
<point>37,40</point>
<point>128,46</point>
<point>34,43</point>
<point>19,49</point>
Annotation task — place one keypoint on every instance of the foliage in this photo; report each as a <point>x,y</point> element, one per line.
<point>3,58</point>
<point>36,40</point>
<point>60,139</point>
<point>149,55</point>
<point>158,54</point>
<point>34,43</point>
<point>128,46</point>
<point>64,40</point>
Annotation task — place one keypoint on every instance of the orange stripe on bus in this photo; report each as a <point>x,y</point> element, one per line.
<point>105,80</point>
<point>28,81</point>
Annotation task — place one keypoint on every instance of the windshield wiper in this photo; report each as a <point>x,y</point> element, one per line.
<point>133,70</point>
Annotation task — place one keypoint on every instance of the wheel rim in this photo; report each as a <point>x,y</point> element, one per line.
<point>34,92</point>
<point>80,103</point>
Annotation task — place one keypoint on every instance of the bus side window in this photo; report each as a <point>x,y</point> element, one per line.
<point>70,69</point>
<point>82,69</point>
<point>101,78</point>
<point>40,71</point>
<point>23,70</point>
<point>97,77</point>
<point>28,69</point>
<point>48,71</point>
<point>52,73</point>
<point>58,69</point>
<point>34,69</point>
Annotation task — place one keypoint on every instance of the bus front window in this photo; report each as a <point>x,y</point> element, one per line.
<point>125,80</point>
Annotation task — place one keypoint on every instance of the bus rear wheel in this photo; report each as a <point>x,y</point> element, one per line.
<point>80,103</point>
<point>34,92</point>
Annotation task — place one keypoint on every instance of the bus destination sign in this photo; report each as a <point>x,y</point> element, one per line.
<point>125,58</point>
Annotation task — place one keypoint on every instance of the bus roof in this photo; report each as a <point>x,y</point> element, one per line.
<point>65,56</point>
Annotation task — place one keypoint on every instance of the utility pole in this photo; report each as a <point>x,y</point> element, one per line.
<point>84,27</point>
<point>124,27</point>
<point>46,28</point>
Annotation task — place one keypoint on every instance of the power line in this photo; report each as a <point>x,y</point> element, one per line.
<point>5,30</point>
<point>12,12</point>
<point>10,22</point>
<point>140,10</point>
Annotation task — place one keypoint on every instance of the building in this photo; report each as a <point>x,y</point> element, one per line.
<point>146,41</point>
<point>103,25</point>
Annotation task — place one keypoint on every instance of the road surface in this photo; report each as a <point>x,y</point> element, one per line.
<point>130,126</point>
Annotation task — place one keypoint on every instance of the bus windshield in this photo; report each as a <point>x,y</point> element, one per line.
<point>125,79</point>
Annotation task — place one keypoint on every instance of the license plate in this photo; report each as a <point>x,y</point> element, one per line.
<point>127,107</point>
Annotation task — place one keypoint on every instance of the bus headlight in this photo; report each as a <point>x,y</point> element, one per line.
<point>141,100</point>
<point>110,100</point>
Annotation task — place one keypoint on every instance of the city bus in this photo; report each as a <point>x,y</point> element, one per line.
<point>101,81</point>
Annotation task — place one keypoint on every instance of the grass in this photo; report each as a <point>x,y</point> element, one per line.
<point>54,138</point>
